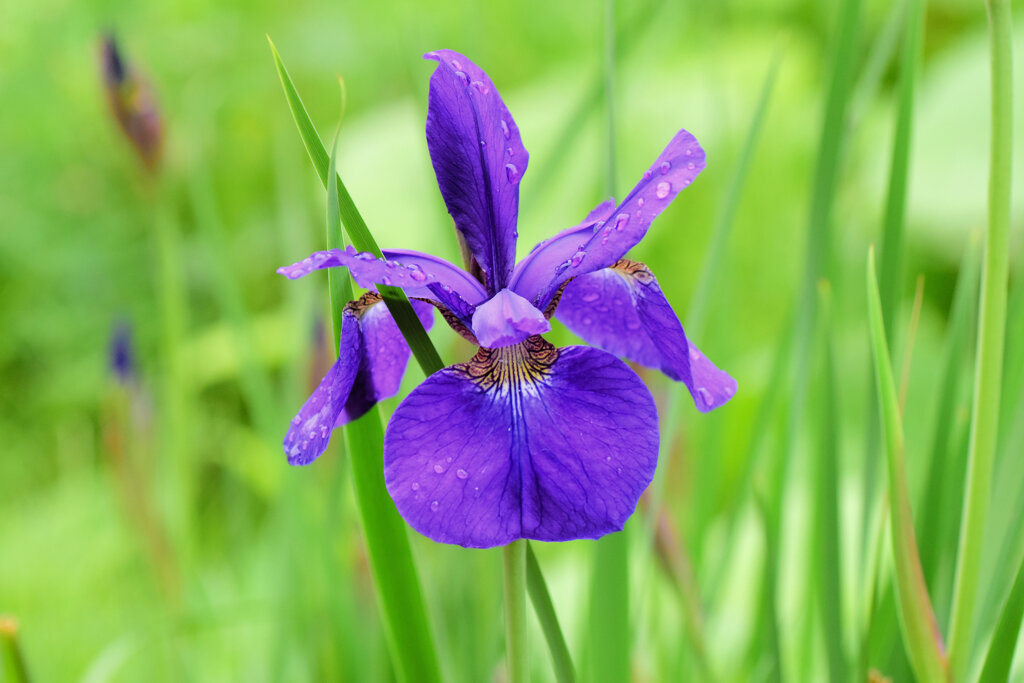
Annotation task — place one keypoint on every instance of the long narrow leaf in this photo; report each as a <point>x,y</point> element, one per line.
<point>917,619</point>
<point>1004,640</point>
<point>398,304</point>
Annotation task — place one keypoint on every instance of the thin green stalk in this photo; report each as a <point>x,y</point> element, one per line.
<point>1004,639</point>
<point>826,563</point>
<point>409,632</point>
<point>891,249</point>
<point>991,329</point>
<point>545,611</point>
<point>917,619</point>
<point>15,666</point>
<point>394,298</point>
<point>609,90</point>
<point>516,647</point>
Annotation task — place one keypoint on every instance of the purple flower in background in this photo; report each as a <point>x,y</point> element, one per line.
<point>525,440</point>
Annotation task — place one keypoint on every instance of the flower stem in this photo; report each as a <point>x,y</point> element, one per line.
<point>16,667</point>
<point>514,562</point>
<point>991,329</point>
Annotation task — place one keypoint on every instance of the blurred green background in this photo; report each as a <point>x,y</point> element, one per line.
<point>222,563</point>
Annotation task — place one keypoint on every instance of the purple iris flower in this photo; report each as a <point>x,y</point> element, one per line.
<point>525,440</point>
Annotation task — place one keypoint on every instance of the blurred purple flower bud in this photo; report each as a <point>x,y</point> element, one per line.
<point>122,353</point>
<point>132,103</point>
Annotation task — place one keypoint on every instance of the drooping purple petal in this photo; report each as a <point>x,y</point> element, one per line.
<point>674,169</point>
<point>532,276</point>
<point>507,319</point>
<point>310,430</point>
<point>384,358</point>
<point>419,277</point>
<point>479,159</point>
<point>623,310</point>
<point>526,441</point>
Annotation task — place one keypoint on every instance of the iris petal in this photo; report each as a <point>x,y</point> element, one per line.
<point>310,430</point>
<point>507,319</point>
<point>674,169</point>
<point>384,358</point>
<point>479,159</point>
<point>623,310</point>
<point>527,441</point>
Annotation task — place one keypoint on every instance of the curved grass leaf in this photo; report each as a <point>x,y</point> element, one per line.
<point>917,620</point>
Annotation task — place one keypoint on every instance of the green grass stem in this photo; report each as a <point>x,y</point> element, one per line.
<point>517,648</point>
<point>1004,638</point>
<point>991,330</point>
<point>917,620</point>
<point>565,672</point>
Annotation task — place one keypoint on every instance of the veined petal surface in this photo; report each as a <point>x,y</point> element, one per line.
<point>479,159</point>
<point>623,311</point>
<point>525,441</point>
<point>385,355</point>
<point>674,169</point>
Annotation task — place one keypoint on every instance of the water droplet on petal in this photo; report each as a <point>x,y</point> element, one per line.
<point>512,173</point>
<point>578,257</point>
<point>391,264</point>
<point>483,143</point>
<point>647,175</point>
<point>456,65</point>
<point>706,397</point>
<point>462,76</point>
<point>689,152</point>
<point>662,190</point>
<point>505,130</point>
<point>591,297</point>
<point>481,87</point>
<point>366,256</point>
<point>690,166</point>
<point>620,221</point>
<point>694,353</point>
<point>608,458</point>
<point>415,486</point>
<point>509,152</point>
<point>434,506</point>
<point>640,202</point>
<point>448,459</point>
<point>386,281</point>
<point>618,470</point>
<point>438,469</point>
<point>462,474</point>
<point>664,168</point>
<point>587,321</point>
<point>418,275</point>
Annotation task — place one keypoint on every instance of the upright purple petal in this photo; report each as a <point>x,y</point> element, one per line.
<point>310,430</point>
<point>479,159</point>
<point>384,358</point>
<point>532,276</point>
<point>526,441</point>
<point>674,169</point>
<point>623,310</point>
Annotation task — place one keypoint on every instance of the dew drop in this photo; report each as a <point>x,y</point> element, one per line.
<point>456,65</point>
<point>438,469</point>
<point>483,143</point>
<point>461,474</point>
<point>462,76</point>
<point>587,321</point>
<point>418,275</point>
<point>620,222</point>
<point>476,490</point>
<point>664,168</point>
<point>434,506</point>
<point>608,458</point>
<point>448,459</point>
<point>690,166</point>
<point>689,152</point>
<point>505,130</point>
<point>647,175</point>
<point>705,397</point>
<point>366,256</point>
<point>618,470</point>
<point>481,87</point>
<point>415,486</point>
<point>591,297</point>
<point>324,431</point>
<point>509,152</point>
<point>578,257</point>
<point>391,264</point>
<point>312,435</point>
<point>694,353</point>
<point>386,281</point>
<point>640,202</point>
<point>512,173</point>
<point>662,190</point>
<point>604,241</point>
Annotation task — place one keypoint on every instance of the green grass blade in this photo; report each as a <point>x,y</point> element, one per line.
<point>398,304</point>
<point>1004,639</point>
<point>545,610</point>
<point>991,331</point>
<point>891,249</point>
<point>339,282</point>
<point>517,649</point>
<point>920,631</point>
<point>700,304</point>
<point>826,562</point>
